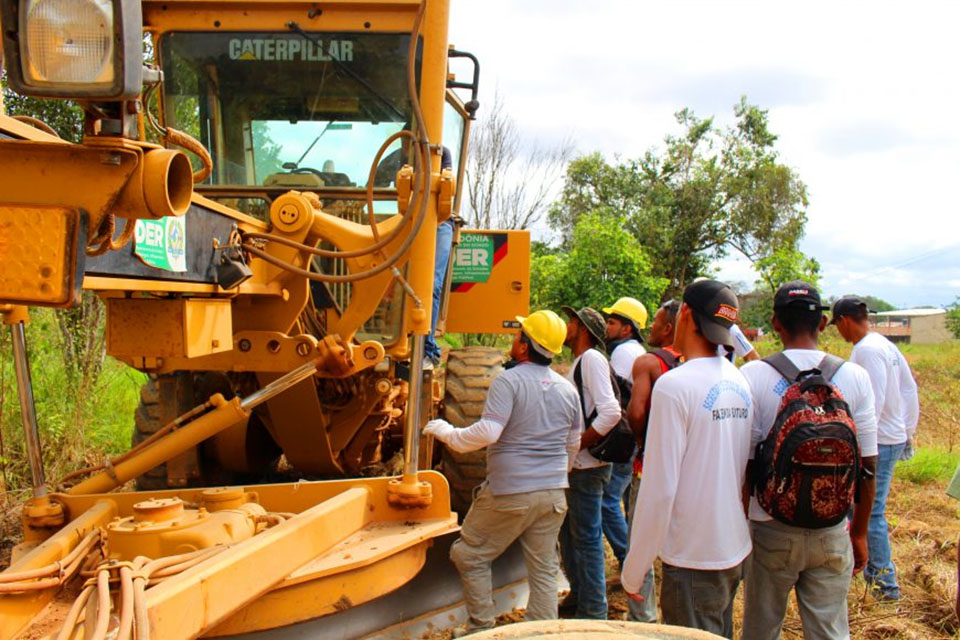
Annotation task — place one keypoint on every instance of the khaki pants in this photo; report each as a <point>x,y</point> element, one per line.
<point>491,525</point>
<point>815,563</point>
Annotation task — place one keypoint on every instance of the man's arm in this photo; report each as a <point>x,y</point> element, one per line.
<point>573,435</point>
<point>666,444</point>
<point>484,432</point>
<point>873,361</point>
<point>861,514</point>
<point>865,419</point>
<point>741,346</point>
<point>646,370</point>
<point>599,386</point>
<point>911,398</point>
<point>754,380</point>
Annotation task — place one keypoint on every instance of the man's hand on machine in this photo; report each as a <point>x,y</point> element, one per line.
<point>439,429</point>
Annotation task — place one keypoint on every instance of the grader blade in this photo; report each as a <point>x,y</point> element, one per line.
<point>432,601</point>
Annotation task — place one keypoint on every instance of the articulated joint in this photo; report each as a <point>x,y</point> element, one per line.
<point>409,492</point>
<point>42,513</point>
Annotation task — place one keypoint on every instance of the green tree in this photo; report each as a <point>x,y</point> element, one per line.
<point>604,263</point>
<point>878,304</point>
<point>63,116</point>
<point>266,152</point>
<point>786,264</point>
<point>708,191</point>
<point>953,318</point>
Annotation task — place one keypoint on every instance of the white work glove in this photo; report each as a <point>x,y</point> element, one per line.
<point>907,450</point>
<point>439,429</point>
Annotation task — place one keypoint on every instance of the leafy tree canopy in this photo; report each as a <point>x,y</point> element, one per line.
<point>64,116</point>
<point>708,191</point>
<point>878,304</point>
<point>784,265</point>
<point>605,263</point>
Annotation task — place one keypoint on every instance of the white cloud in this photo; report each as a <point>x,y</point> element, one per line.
<point>862,96</point>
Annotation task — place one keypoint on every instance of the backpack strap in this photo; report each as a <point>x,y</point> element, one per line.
<point>784,366</point>
<point>578,381</point>
<point>668,358</point>
<point>829,366</point>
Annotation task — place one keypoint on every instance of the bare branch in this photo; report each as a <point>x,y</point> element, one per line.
<point>510,184</point>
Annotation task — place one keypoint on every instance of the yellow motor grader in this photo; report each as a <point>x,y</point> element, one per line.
<point>276,284</point>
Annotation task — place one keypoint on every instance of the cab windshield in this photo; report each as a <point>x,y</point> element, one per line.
<point>287,109</point>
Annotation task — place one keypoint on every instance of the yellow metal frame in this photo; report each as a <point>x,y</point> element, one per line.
<point>346,546</point>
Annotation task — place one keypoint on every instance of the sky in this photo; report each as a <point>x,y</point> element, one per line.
<point>860,94</point>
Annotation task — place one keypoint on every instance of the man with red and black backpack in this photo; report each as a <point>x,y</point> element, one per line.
<point>815,434</point>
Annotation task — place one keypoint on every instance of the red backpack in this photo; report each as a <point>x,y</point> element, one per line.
<point>808,466</point>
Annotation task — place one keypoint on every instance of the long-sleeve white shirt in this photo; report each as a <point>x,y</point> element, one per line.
<point>689,509</point>
<point>894,389</point>
<point>597,395</point>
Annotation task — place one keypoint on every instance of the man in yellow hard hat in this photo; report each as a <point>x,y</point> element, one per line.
<point>625,319</point>
<point>531,426</point>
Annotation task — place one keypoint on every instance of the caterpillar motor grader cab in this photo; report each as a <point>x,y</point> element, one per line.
<point>278,295</point>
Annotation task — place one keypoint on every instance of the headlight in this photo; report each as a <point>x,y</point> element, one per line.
<point>68,42</point>
<point>74,48</point>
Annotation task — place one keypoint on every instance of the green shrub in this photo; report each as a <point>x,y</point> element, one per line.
<point>929,465</point>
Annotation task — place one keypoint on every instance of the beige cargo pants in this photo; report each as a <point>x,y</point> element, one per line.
<point>491,525</point>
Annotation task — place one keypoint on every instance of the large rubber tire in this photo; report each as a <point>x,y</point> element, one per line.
<point>165,397</point>
<point>151,416</point>
<point>470,371</point>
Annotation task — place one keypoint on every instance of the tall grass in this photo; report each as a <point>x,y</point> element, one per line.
<point>77,425</point>
<point>929,465</point>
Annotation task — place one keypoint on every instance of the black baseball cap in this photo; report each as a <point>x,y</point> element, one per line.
<point>798,294</point>
<point>852,306</point>
<point>715,306</point>
<point>592,320</point>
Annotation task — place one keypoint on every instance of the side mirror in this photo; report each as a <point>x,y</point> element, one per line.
<point>82,49</point>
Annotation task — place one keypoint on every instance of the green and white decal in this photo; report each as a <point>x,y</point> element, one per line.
<point>162,244</point>
<point>473,258</point>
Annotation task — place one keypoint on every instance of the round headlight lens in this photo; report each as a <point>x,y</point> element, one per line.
<point>68,41</point>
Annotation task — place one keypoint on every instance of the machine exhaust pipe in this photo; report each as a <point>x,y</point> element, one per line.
<point>162,185</point>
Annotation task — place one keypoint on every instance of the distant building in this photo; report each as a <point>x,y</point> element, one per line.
<point>912,326</point>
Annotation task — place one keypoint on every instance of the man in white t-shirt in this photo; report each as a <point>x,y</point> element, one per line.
<point>817,563</point>
<point>581,537</point>
<point>625,319</point>
<point>689,510</point>
<point>897,409</point>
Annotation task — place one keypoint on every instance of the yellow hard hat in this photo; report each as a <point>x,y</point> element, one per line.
<point>631,309</point>
<point>546,329</point>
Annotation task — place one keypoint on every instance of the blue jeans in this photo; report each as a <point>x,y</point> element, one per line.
<point>441,257</point>
<point>581,542</point>
<point>880,570</point>
<point>614,522</point>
